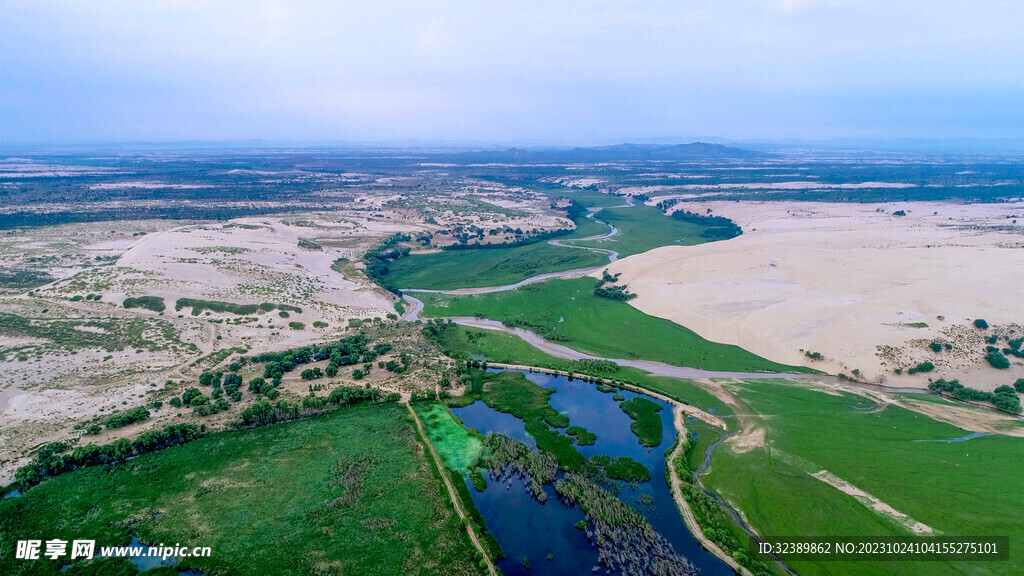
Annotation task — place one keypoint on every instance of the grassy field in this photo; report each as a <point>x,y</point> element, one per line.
<point>450,269</point>
<point>643,228</point>
<point>462,342</point>
<point>345,493</point>
<point>568,312</point>
<point>456,445</point>
<point>646,421</point>
<point>958,489</point>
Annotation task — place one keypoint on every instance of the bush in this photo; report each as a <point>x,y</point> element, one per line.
<point>996,358</point>
<point>357,374</point>
<point>936,347</point>
<point>981,324</point>
<point>312,373</point>
<point>127,417</point>
<point>93,429</point>
<point>176,402</point>
<point>154,303</point>
<point>1019,385</point>
<point>922,367</point>
<point>190,395</point>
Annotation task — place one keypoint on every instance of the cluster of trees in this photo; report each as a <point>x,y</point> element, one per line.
<point>423,396</point>
<point>122,419</point>
<point>596,367</point>
<point>263,412</point>
<point>922,367</point>
<point>996,358</point>
<point>379,259</point>
<point>312,373</point>
<point>49,462</point>
<point>262,387</point>
<point>619,293</point>
<point>716,227</point>
<point>435,329</point>
<point>344,352</point>
<point>463,245</point>
<point>154,303</point>
<point>1004,397</point>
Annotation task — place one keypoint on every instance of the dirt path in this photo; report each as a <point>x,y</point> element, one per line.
<point>452,493</point>
<point>679,417</point>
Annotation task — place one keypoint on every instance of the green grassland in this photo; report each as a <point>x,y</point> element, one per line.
<point>646,421</point>
<point>642,228</point>
<point>587,319</point>
<point>349,492</point>
<point>959,489</point>
<point>461,342</point>
<point>451,269</point>
<point>457,447</point>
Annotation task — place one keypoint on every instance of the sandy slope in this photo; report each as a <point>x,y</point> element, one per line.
<point>845,279</point>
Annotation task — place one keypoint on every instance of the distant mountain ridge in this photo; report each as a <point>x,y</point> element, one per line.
<point>615,153</point>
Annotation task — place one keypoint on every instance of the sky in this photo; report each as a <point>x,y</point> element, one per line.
<point>524,72</point>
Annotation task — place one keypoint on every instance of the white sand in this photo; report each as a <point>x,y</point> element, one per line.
<point>844,279</point>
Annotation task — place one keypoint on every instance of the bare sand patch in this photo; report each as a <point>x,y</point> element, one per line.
<point>865,288</point>
<point>872,502</point>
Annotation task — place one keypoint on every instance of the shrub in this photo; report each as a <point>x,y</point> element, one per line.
<point>127,417</point>
<point>996,358</point>
<point>93,429</point>
<point>981,324</point>
<point>936,347</point>
<point>922,367</point>
<point>1019,385</point>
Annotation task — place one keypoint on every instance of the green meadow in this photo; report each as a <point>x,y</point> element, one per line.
<point>350,492</point>
<point>970,488</point>
<point>568,312</point>
<point>643,228</point>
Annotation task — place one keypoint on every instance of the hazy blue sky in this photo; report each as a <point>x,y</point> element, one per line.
<point>548,71</point>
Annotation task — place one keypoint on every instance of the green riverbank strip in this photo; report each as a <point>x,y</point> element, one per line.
<point>568,312</point>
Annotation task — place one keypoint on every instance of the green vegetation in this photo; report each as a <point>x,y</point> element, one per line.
<point>981,324</point>
<point>198,306</point>
<point>122,419</point>
<point>1004,397</point>
<point>110,334</point>
<point>457,446</point>
<point>893,454</point>
<point>154,303</point>
<point>347,492</point>
<point>379,260</point>
<point>996,358</point>
<point>296,325</point>
<point>922,367</point>
<point>623,468</point>
<point>586,320</point>
<point>512,393</point>
<point>583,436</point>
<point>449,269</point>
<point>716,524</point>
<point>646,420</point>
<point>642,228</point>
<point>461,342</point>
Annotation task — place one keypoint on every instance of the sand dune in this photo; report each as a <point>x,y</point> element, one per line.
<point>851,281</point>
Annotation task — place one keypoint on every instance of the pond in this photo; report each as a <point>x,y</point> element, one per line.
<point>527,528</point>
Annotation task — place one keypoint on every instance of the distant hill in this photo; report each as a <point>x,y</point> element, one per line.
<point>616,153</point>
